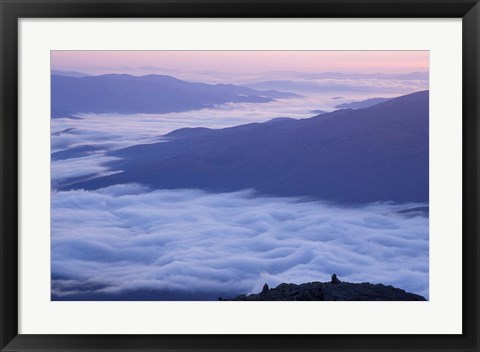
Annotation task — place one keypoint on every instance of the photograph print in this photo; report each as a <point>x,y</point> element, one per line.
<point>239,176</point>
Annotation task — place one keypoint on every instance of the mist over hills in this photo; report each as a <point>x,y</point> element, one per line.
<point>418,75</point>
<point>126,94</point>
<point>378,153</point>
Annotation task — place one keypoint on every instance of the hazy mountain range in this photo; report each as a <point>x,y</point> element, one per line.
<point>151,94</point>
<point>379,153</point>
<point>251,78</point>
<point>68,73</point>
<point>344,83</point>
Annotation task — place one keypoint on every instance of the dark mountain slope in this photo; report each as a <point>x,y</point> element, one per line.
<point>348,156</point>
<point>125,94</point>
<point>327,291</point>
<point>362,104</point>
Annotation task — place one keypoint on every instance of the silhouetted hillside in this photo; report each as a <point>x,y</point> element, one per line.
<point>378,153</point>
<point>362,104</point>
<point>328,291</point>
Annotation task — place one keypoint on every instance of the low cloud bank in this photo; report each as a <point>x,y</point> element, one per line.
<point>127,238</point>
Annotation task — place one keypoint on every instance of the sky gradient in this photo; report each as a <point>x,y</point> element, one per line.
<point>99,62</point>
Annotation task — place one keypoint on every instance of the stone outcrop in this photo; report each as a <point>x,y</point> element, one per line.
<point>331,291</point>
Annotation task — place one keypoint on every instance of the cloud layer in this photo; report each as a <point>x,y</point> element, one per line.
<point>127,238</point>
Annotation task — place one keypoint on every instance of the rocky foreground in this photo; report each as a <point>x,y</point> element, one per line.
<point>330,291</point>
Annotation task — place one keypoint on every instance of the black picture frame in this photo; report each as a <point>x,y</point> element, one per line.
<point>12,10</point>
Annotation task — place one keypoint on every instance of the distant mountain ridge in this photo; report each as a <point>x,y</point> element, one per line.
<point>334,81</point>
<point>150,94</point>
<point>68,73</point>
<point>378,153</point>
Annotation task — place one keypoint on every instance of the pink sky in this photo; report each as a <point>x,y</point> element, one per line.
<point>243,61</point>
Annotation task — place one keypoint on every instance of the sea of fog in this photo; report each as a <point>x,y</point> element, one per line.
<point>196,245</point>
<point>127,238</point>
